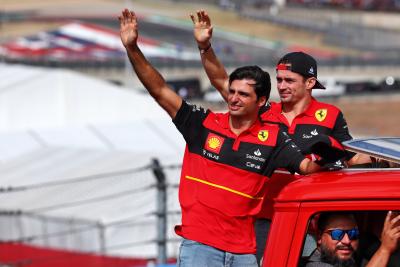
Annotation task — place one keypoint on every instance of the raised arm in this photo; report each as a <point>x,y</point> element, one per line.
<point>215,70</point>
<point>147,74</point>
<point>389,241</point>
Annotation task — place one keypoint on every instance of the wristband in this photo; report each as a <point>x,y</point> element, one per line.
<point>204,50</point>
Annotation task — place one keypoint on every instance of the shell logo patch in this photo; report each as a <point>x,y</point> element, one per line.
<point>262,135</point>
<point>214,143</point>
<point>320,114</point>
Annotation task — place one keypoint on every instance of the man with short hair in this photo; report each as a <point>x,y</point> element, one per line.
<point>317,128</point>
<point>227,159</point>
<point>338,241</point>
<point>298,113</point>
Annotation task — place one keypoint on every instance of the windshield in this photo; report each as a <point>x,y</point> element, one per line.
<point>387,148</point>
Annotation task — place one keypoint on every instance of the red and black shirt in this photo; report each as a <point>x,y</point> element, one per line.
<point>223,176</point>
<point>318,119</point>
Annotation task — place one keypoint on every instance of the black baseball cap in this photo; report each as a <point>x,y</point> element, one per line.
<point>301,63</point>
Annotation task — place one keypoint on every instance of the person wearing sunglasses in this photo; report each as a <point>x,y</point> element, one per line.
<point>338,241</point>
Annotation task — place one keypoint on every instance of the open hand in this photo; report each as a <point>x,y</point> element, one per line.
<point>128,28</point>
<point>391,232</point>
<point>202,28</point>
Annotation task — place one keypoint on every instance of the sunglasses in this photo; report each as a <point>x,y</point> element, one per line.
<point>338,234</point>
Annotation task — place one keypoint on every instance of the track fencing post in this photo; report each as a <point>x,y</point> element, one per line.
<point>161,212</point>
<point>102,238</point>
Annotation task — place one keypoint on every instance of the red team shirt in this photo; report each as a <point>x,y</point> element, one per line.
<point>318,119</point>
<point>223,176</point>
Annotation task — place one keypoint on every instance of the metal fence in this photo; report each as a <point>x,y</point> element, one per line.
<point>150,227</point>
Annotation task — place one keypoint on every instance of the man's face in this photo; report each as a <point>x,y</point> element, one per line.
<point>242,99</point>
<point>292,87</point>
<point>335,251</point>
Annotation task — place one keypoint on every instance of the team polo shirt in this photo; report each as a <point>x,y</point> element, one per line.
<point>318,119</point>
<point>223,176</point>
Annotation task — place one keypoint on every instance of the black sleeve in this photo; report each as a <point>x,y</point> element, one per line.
<point>189,119</point>
<point>341,133</point>
<point>340,130</point>
<point>327,147</point>
<point>287,154</point>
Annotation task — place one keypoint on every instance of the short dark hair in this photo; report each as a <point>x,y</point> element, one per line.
<point>262,79</point>
<point>325,218</point>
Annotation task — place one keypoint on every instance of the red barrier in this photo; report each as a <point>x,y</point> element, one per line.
<point>34,256</point>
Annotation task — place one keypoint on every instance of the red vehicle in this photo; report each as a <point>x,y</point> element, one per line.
<point>370,193</point>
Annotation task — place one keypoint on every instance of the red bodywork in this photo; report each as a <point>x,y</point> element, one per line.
<point>355,190</point>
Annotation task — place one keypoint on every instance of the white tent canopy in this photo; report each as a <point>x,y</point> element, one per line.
<point>47,98</point>
<point>91,141</point>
